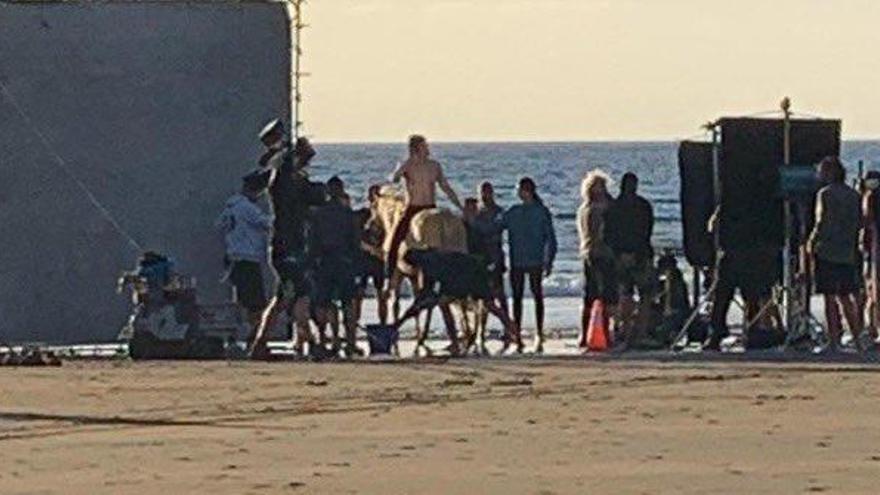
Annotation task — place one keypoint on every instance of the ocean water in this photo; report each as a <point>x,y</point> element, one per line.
<point>557,168</point>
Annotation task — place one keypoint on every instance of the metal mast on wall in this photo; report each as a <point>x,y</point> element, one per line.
<point>298,25</point>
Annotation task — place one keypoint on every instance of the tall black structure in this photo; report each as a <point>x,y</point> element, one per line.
<point>757,175</point>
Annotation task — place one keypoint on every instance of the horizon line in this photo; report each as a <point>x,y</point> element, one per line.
<point>855,139</point>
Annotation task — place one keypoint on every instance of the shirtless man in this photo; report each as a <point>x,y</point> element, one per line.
<point>422,175</point>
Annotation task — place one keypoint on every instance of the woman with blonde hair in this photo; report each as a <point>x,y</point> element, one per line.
<point>599,276</point>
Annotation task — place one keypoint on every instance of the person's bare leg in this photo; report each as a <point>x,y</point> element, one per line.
<point>257,348</point>
<point>500,313</point>
<point>468,337</point>
<point>451,331</point>
<point>853,314</point>
<point>393,294</point>
<point>254,318</point>
<point>482,322</point>
<point>832,316</point>
<point>301,315</point>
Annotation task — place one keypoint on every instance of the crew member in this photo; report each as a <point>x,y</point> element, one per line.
<point>246,228</point>
<point>629,223</point>
<point>292,194</point>
<point>834,247</point>
<point>333,247</point>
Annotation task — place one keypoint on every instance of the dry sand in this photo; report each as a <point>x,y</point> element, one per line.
<point>531,426</point>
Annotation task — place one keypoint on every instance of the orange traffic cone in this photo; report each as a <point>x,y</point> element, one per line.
<point>597,338</point>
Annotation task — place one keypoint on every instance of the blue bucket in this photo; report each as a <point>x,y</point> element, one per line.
<point>381,338</point>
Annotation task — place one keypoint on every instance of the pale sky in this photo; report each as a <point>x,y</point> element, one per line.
<point>583,69</point>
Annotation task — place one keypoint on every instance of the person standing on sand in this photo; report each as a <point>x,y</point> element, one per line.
<point>246,228</point>
<point>292,195</point>
<point>600,281</point>
<point>422,175</point>
<point>487,223</point>
<point>833,245</point>
<point>629,224</point>
<point>333,246</point>
<point>371,263</point>
<point>871,246</point>
<point>531,242</point>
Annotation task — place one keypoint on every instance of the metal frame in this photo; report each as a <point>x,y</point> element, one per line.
<point>798,319</point>
<point>297,25</point>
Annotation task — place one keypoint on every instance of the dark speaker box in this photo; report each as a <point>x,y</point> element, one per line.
<point>697,201</point>
<point>752,151</point>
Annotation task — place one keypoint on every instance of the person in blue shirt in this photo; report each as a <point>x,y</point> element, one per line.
<point>531,242</point>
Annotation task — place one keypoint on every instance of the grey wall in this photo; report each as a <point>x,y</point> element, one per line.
<point>156,107</point>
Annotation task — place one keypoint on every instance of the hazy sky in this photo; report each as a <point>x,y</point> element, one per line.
<point>583,69</point>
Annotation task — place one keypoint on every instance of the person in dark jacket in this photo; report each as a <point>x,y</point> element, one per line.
<point>333,248</point>
<point>292,195</point>
<point>487,223</point>
<point>629,223</point>
<point>532,245</point>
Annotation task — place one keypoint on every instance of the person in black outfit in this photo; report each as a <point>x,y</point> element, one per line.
<point>333,247</point>
<point>292,195</point>
<point>629,223</point>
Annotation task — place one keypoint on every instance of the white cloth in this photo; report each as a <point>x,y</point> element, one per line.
<point>246,228</point>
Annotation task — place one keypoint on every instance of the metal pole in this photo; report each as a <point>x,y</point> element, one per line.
<point>298,26</point>
<point>786,205</point>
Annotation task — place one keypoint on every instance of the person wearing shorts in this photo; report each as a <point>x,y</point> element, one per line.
<point>334,245</point>
<point>370,265</point>
<point>833,244</point>
<point>246,228</point>
<point>292,196</point>
<point>247,279</point>
<point>629,225</point>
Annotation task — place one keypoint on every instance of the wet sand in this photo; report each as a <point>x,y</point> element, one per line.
<point>528,425</point>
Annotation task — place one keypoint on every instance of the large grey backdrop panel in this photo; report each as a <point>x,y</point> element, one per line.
<point>155,106</point>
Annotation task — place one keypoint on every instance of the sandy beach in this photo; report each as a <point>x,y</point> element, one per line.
<point>528,425</point>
